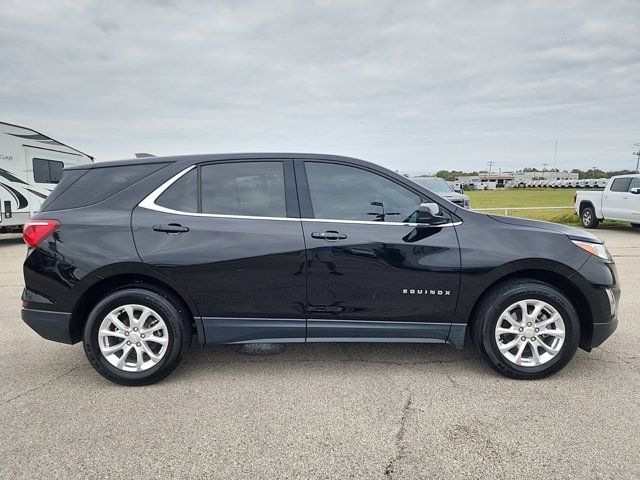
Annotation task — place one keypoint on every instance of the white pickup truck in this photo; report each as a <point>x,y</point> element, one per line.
<point>620,200</point>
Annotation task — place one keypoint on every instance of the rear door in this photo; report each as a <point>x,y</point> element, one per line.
<point>372,275</point>
<point>229,232</point>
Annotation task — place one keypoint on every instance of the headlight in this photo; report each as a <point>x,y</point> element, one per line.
<point>597,249</point>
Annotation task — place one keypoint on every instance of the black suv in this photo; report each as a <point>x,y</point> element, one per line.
<point>133,257</point>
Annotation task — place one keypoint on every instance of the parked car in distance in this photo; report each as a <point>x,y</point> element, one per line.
<point>440,187</point>
<point>620,200</point>
<point>132,258</point>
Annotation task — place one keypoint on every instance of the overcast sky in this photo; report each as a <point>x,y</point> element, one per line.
<point>416,86</point>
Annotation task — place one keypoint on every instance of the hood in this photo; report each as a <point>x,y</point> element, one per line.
<point>571,232</point>
<point>450,194</point>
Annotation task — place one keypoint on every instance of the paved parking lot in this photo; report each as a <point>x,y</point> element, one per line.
<point>320,411</point>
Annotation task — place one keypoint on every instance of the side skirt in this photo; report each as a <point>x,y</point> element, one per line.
<point>375,331</point>
<point>253,330</point>
<point>289,330</point>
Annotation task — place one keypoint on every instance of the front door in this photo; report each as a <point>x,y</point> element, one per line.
<point>631,209</point>
<point>236,248</point>
<point>372,275</point>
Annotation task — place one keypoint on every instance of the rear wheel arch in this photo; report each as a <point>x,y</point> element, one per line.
<point>585,204</point>
<point>108,285</point>
<point>562,283</point>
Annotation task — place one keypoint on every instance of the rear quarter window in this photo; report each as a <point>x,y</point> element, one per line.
<point>96,184</point>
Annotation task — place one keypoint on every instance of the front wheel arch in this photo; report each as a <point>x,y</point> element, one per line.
<point>566,286</point>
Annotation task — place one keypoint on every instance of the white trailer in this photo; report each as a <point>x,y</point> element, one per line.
<point>30,167</point>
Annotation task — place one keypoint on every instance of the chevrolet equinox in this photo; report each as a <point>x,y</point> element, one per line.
<point>134,257</point>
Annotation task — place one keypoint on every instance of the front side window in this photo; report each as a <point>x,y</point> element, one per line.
<point>47,171</point>
<point>343,192</point>
<point>244,188</point>
<point>620,185</point>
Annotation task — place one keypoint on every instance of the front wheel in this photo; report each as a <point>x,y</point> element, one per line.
<point>526,329</point>
<point>588,218</point>
<point>137,336</point>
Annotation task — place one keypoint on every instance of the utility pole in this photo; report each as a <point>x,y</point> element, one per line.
<point>491,165</point>
<point>594,172</point>
<point>555,152</point>
<point>638,154</point>
<point>544,167</point>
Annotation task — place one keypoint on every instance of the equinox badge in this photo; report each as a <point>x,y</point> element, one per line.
<point>426,292</point>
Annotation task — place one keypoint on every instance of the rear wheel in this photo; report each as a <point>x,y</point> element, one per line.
<point>588,218</point>
<point>137,336</point>
<point>526,329</point>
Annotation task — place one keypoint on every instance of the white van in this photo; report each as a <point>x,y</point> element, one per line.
<point>30,167</point>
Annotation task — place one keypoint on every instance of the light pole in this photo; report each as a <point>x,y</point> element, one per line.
<point>638,154</point>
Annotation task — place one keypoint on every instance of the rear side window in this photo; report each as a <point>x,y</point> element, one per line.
<point>182,195</point>
<point>244,188</point>
<point>635,183</point>
<point>47,171</point>
<point>100,183</point>
<point>620,185</point>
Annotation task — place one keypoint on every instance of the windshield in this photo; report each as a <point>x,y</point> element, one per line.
<point>435,184</point>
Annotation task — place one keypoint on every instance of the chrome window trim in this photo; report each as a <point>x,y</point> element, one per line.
<point>150,204</point>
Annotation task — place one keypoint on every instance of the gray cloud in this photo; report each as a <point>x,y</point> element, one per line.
<point>416,86</point>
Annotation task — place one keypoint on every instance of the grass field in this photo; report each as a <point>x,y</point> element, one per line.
<point>529,197</point>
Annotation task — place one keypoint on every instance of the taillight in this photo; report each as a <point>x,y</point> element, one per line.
<point>35,231</point>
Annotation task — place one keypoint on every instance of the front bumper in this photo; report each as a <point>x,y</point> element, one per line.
<point>54,326</point>
<point>602,331</point>
<point>602,292</point>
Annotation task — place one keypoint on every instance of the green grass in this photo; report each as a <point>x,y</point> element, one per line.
<point>521,197</point>
<point>530,197</point>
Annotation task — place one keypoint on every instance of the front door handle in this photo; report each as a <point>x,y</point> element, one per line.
<point>330,235</point>
<point>171,228</point>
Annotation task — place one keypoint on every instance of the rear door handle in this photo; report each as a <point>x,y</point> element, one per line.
<point>171,228</point>
<point>330,235</point>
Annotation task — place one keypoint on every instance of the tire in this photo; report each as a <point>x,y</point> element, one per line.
<point>168,342</point>
<point>588,217</point>
<point>490,312</point>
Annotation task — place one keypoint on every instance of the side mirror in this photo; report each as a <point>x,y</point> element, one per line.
<point>428,213</point>
<point>635,191</point>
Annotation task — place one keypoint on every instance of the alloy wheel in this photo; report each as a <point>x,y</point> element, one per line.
<point>530,333</point>
<point>133,338</point>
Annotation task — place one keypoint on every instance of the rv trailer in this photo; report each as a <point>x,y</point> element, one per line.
<point>30,167</point>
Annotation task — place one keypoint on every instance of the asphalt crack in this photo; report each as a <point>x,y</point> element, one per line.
<point>401,448</point>
<point>39,387</point>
